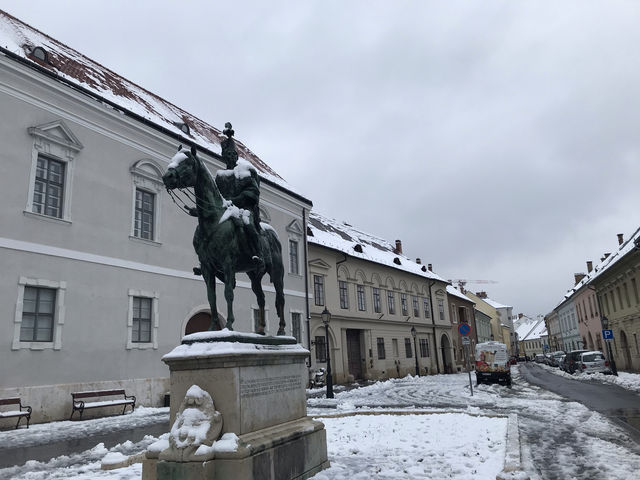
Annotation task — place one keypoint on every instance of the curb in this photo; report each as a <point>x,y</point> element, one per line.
<point>512,459</point>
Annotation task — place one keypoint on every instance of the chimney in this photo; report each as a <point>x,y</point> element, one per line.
<point>589,266</point>
<point>430,267</point>
<point>578,276</point>
<point>418,261</point>
<point>398,249</point>
<point>520,316</point>
<point>620,238</point>
<point>481,294</point>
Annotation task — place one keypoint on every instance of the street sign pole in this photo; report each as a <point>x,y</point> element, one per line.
<point>466,351</point>
<point>464,331</point>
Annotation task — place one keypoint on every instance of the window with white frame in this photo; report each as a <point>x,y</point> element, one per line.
<point>321,349</point>
<point>427,307</point>
<point>407,348</point>
<point>362,304</point>
<point>147,185</point>
<point>424,348</point>
<point>144,214</point>
<point>404,304</point>
<point>296,329</point>
<point>391,302</point>
<point>48,191</point>
<point>39,316</point>
<point>141,329</point>
<point>376,300</point>
<point>293,257</point>
<point>416,306</point>
<point>142,321</point>
<point>318,290</point>
<point>344,294</point>
<point>441,308</point>
<point>54,150</point>
<point>380,346</point>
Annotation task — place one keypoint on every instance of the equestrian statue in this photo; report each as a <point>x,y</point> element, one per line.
<point>229,237</point>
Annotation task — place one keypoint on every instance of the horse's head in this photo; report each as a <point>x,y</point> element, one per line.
<point>182,170</point>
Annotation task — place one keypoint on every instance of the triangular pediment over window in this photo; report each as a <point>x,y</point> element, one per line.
<point>295,228</point>
<point>319,263</point>
<point>57,132</point>
<point>440,292</point>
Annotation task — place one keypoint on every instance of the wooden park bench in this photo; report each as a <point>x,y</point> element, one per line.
<point>79,402</point>
<point>23,410</point>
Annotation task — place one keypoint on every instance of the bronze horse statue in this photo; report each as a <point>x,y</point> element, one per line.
<point>220,240</point>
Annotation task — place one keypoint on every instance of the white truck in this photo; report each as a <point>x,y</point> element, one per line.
<point>492,363</point>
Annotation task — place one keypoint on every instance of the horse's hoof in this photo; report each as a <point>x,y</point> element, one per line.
<point>281,332</point>
<point>197,271</point>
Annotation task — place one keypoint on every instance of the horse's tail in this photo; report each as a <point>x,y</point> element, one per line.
<point>275,268</point>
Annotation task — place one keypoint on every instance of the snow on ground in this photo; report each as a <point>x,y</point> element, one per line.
<point>630,381</point>
<point>560,439</point>
<point>386,446</point>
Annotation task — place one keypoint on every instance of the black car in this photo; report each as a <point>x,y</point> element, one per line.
<point>572,360</point>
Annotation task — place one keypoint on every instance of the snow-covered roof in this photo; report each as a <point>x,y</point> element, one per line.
<point>451,290</point>
<point>604,265</point>
<point>347,239</point>
<point>495,304</point>
<point>18,40</point>
<point>530,328</point>
<point>540,330</point>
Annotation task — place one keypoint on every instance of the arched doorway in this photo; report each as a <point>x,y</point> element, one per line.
<point>199,323</point>
<point>446,354</point>
<point>626,353</point>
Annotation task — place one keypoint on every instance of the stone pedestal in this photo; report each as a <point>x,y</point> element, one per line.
<point>258,384</point>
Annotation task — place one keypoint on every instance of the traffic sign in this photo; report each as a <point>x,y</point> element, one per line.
<point>466,340</point>
<point>607,334</point>
<point>464,329</point>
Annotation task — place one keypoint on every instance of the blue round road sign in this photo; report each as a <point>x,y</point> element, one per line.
<point>464,329</point>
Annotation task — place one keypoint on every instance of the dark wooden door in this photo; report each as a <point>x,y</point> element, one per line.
<point>354,355</point>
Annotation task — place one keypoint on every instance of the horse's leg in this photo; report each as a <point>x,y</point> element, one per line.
<point>210,282</point>
<point>277,278</point>
<point>256,286</point>
<point>279,286</point>
<point>230,280</point>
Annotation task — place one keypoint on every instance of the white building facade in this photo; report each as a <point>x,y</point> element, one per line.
<point>96,258</point>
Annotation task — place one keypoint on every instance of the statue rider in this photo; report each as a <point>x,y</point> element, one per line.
<point>240,184</point>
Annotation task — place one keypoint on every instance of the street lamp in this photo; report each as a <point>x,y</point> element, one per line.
<point>415,350</point>
<point>326,318</point>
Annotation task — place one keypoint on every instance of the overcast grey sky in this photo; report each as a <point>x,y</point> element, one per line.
<point>499,140</point>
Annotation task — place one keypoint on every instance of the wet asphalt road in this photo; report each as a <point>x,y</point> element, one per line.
<point>618,404</point>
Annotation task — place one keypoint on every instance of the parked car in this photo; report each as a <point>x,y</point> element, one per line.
<point>571,361</point>
<point>555,358</point>
<point>593,362</point>
<point>539,358</point>
<point>561,362</point>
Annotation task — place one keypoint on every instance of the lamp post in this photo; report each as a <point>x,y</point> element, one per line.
<point>415,350</point>
<point>326,318</point>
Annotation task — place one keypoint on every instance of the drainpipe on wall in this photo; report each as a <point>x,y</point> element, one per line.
<point>433,322</point>
<point>306,280</point>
